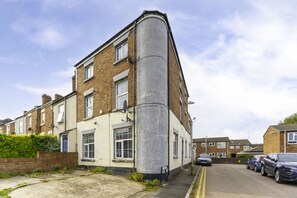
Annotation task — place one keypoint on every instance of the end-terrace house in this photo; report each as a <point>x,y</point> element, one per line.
<point>215,146</point>
<point>238,145</point>
<point>2,125</point>
<point>280,139</point>
<point>64,121</point>
<point>10,127</point>
<point>20,125</point>
<point>132,101</point>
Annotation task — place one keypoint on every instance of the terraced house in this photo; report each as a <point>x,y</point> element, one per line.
<point>132,101</point>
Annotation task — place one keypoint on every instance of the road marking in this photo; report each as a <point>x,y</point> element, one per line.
<point>201,183</point>
<point>204,183</point>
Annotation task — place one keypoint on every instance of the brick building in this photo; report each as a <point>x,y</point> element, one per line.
<point>280,139</point>
<point>2,125</point>
<point>137,68</point>
<point>214,146</point>
<point>236,146</point>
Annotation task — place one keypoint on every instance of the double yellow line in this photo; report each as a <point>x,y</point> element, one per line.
<point>202,183</point>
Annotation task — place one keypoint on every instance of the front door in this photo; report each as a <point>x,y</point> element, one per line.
<point>64,143</point>
<point>182,152</point>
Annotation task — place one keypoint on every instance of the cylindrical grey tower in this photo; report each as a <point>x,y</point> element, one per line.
<point>152,95</point>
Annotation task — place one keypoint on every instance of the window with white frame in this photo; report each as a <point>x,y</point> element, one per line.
<point>211,154</point>
<point>123,143</point>
<point>231,147</point>
<point>121,51</point>
<point>237,147</point>
<point>175,145</point>
<point>186,149</point>
<point>292,138</point>
<point>21,126</point>
<point>88,146</point>
<point>29,121</point>
<point>180,109</point>
<point>221,155</point>
<point>7,128</point>
<point>60,118</point>
<point>89,71</point>
<point>202,144</point>
<point>89,106</point>
<point>121,93</point>
<point>246,147</point>
<point>42,117</point>
<point>211,144</point>
<point>221,144</point>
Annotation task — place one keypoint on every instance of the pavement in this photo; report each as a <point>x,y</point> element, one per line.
<point>178,186</point>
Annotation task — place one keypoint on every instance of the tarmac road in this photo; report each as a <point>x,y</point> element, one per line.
<point>230,180</point>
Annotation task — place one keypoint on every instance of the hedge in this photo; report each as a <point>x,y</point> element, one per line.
<point>15,146</point>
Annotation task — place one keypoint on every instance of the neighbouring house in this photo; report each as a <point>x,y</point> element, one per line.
<point>64,121</point>
<point>215,146</point>
<point>238,146</point>
<point>10,127</point>
<point>32,121</point>
<point>255,149</point>
<point>132,101</point>
<point>280,139</point>
<point>20,125</point>
<point>2,125</point>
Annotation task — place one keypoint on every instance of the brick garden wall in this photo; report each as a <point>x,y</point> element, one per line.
<point>45,161</point>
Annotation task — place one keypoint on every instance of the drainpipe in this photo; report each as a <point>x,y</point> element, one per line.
<point>134,101</point>
<point>168,104</point>
<point>285,141</point>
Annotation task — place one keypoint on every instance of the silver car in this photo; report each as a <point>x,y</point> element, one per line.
<point>203,159</point>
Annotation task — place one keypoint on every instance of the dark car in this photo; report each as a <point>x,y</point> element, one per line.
<point>255,163</point>
<point>283,166</point>
<point>203,159</point>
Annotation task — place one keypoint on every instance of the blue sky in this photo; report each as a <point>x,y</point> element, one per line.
<point>239,57</point>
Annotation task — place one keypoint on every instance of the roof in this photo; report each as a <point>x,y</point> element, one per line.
<point>257,150</point>
<point>240,142</point>
<point>211,139</point>
<point>2,122</point>
<point>144,13</point>
<point>285,127</point>
<point>67,96</point>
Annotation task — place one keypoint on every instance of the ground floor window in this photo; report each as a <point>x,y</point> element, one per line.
<point>221,155</point>
<point>64,143</point>
<point>88,146</point>
<point>175,144</point>
<point>211,154</point>
<point>123,143</point>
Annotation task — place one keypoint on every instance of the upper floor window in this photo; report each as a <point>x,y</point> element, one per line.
<point>7,129</point>
<point>121,51</point>
<point>60,113</point>
<point>89,106</point>
<point>42,117</point>
<point>237,147</point>
<point>221,144</point>
<point>292,138</point>
<point>246,147</point>
<point>29,121</point>
<point>89,71</point>
<point>211,144</point>
<point>202,144</point>
<point>121,93</point>
<point>231,147</point>
<point>180,109</point>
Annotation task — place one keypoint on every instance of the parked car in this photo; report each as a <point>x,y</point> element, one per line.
<point>255,162</point>
<point>283,166</point>
<point>203,159</point>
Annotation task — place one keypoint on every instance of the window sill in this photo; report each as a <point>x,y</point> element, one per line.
<point>61,122</point>
<point>42,124</point>
<point>87,160</point>
<point>123,160</point>
<point>119,61</point>
<point>175,157</point>
<point>86,80</point>
<point>85,119</point>
<point>118,109</point>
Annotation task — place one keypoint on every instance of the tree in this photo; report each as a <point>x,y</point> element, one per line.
<point>292,119</point>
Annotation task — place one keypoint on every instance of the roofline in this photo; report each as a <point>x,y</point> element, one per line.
<point>144,13</point>
<point>67,96</point>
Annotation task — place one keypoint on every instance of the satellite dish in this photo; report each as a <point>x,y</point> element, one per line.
<point>125,106</point>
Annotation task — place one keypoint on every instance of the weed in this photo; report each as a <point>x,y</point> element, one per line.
<point>152,184</point>
<point>4,175</point>
<point>138,177</point>
<point>101,170</point>
<point>22,184</point>
<point>4,193</point>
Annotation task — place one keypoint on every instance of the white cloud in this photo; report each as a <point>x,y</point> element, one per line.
<point>41,32</point>
<point>62,89</point>
<point>67,73</point>
<point>246,80</point>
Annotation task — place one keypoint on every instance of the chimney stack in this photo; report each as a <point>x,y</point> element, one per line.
<point>73,83</point>
<point>46,99</point>
<point>57,96</point>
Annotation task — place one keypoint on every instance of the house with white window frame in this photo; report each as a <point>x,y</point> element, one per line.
<point>64,121</point>
<point>20,125</point>
<point>132,101</point>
